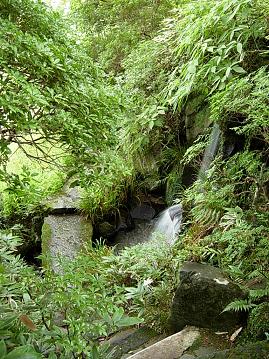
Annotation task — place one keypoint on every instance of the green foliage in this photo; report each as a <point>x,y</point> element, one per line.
<point>200,48</point>
<point>210,42</point>
<point>149,273</point>
<point>113,28</point>
<point>105,185</point>
<point>59,93</point>
<point>197,52</point>
<point>246,98</point>
<point>24,190</point>
<point>64,315</point>
<point>257,304</point>
<point>114,129</point>
<point>239,306</point>
<point>61,100</point>
<point>258,323</point>
<point>236,183</point>
<point>15,279</point>
<point>145,68</point>
<point>242,246</point>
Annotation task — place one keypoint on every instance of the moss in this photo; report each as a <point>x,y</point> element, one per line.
<point>86,231</point>
<point>208,338</point>
<point>257,350</point>
<point>46,239</point>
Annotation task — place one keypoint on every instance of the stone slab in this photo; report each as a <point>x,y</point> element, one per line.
<point>66,202</point>
<point>129,340</point>
<point>63,236</point>
<point>171,347</point>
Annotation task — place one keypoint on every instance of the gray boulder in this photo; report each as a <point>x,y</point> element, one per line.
<point>204,291</point>
<point>63,236</point>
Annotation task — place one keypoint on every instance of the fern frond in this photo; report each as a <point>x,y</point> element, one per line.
<point>259,293</point>
<point>239,306</point>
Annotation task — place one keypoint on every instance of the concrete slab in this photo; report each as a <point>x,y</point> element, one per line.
<point>171,347</point>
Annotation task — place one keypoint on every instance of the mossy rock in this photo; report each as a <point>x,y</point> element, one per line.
<point>46,240</point>
<point>203,293</point>
<point>63,236</point>
<point>197,122</point>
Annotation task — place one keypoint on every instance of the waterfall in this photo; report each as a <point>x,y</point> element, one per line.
<point>210,151</point>
<point>169,221</point>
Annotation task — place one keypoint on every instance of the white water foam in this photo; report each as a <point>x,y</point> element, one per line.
<point>210,151</point>
<point>169,223</point>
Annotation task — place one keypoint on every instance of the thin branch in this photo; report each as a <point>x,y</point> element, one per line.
<point>44,159</point>
<point>44,322</point>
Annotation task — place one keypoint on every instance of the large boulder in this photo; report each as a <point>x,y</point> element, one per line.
<point>63,236</point>
<point>204,291</point>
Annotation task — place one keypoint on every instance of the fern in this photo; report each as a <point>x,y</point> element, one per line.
<point>243,305</point>
<point>232,217</point>
<point>259,293</point>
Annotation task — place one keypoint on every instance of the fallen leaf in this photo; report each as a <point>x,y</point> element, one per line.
<point>27,322</point>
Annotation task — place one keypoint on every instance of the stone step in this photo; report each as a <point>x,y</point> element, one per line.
<point>172,347</point>
<point>126,342</point>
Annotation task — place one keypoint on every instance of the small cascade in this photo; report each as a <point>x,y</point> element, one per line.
<point>169,223</point>
<point>210,151</point>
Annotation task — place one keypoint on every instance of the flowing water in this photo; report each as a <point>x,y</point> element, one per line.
<point>169,222</point>
<point>167,225</point>
<point>210,151</point>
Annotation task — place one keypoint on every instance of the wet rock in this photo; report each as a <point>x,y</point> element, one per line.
<point>118,222</point>
<point>106,229</point>
<point>196,122</point>
<point>193,105</point>
<point>143,211</point>
<point>204,291</point>
<point>141,234</point>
